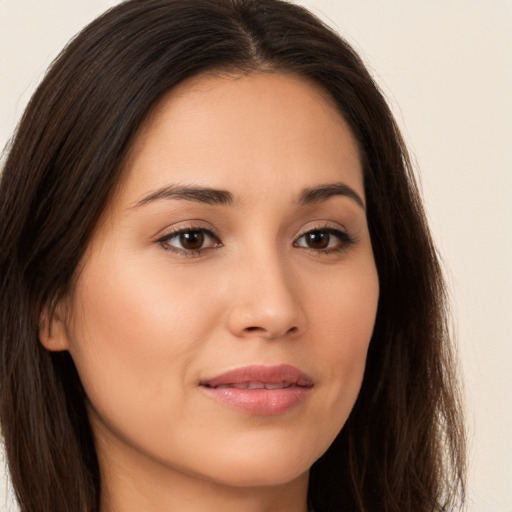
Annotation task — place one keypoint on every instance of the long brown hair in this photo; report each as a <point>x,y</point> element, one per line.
<point>402,448</point>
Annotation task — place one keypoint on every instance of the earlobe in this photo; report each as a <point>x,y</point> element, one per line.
<point>52,329</point>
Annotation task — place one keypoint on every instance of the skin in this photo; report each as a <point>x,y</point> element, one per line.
<point>150,318</point>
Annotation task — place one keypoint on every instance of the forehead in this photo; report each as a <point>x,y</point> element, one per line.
<point>264,128</point>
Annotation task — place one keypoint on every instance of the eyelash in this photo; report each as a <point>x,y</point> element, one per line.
<point>345,240</point>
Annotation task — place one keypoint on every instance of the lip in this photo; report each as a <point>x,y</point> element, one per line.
<point>259,389</point>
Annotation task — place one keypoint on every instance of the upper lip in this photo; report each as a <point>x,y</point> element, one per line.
<point>284,374</point>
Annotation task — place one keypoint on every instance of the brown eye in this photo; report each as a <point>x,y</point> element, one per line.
<point>317,239</point>
<point>327,240</point>
<point>189,241</point>
<point>192,240</point>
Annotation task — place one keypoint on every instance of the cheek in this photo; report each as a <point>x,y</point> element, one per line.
<point>343,322</point>
<point>351,313</point>
<point>134,331</point>
<point>344,303</point>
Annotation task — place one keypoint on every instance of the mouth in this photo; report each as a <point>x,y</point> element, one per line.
<point>253,385</point>
<point>260,377</point>
<point>260,390</point>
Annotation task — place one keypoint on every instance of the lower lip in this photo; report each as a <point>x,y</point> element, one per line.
<point>263,402</point>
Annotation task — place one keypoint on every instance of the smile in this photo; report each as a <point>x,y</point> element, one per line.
<point>256,385</point>
<point>260,390</point>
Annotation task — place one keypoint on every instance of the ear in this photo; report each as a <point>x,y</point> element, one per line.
<point>53,333</point>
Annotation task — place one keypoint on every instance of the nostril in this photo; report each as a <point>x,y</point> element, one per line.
<point>252,329</point>
<point>256,329</point>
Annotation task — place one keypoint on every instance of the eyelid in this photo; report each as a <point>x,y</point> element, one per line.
<point>321,226</point>
<point>185,225</point>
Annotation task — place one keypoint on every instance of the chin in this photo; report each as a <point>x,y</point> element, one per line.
<point>268,475</point>
<point>272,466</point>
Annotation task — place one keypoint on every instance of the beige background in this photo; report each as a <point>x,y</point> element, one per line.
<point>446,67</point>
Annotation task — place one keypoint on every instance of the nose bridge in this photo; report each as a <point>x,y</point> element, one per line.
<point>266,302</point>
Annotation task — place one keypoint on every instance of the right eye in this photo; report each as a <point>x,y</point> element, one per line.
<point>189,241</point>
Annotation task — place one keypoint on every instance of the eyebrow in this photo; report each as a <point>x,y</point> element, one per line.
<point>190,193</point>
<point>213,196</point>
<point>324,192</point>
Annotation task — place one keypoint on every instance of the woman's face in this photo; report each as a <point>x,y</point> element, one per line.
<point>222,314</point>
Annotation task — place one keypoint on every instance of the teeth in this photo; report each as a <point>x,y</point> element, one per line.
<point>248,385</point>
<point>279,385</point>
<point>255,385</point>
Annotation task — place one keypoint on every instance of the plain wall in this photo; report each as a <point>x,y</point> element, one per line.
<point>446,68</point>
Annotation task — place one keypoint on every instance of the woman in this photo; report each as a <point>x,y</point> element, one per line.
<point>219,291</point>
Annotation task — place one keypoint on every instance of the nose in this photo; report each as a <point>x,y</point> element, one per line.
<point>266,302</point>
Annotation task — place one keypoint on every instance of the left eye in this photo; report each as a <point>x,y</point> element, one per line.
<point>190,240</point>
<point>323,239</point>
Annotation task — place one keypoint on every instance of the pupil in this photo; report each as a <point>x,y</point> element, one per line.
<point>318,240</point>
<point>192,240</point>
